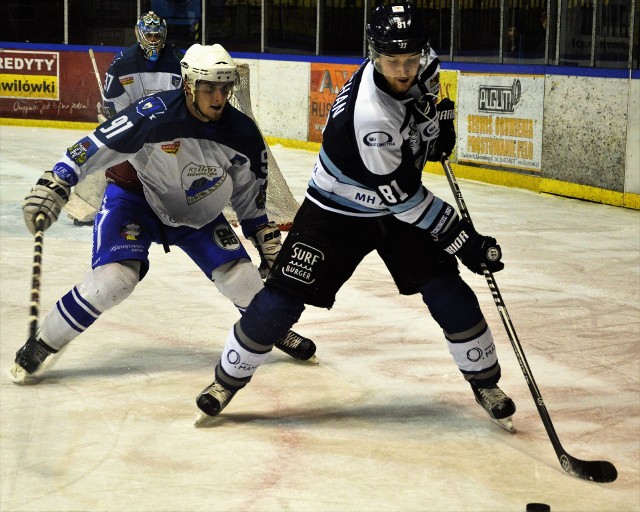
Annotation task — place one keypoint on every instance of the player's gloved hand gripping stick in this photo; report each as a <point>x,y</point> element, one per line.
<point>600,471</point>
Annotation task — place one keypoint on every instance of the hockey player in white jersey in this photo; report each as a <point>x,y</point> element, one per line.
<point>192,153</point>
<point>142,69</point>
<point>366,194</point>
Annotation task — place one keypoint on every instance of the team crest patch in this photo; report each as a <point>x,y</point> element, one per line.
<point>151,107</point>
<point>225,237</point>
<point>131,231</point>
<point>303,263</point>
<point>175,81</point>
<point>198,181</point>
<point>81,151</point>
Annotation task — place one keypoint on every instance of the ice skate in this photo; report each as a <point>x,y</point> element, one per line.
<point>497,404</point>
<point>29,359</point>
<point>298,347</point>
<point>212,400</point>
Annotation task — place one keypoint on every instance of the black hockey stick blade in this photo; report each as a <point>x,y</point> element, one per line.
<point>600,471</point>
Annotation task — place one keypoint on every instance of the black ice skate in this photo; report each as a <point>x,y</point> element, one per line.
<point>214,398</point>
<point>499,406</point>
<point>28,359</point>
<point>298,347</point>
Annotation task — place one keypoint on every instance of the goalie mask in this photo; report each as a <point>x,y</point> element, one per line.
<point>398,29</point>
<point>151,33</point>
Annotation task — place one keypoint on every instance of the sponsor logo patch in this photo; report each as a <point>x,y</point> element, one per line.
<point>378,139</point>
<point>225,237</point>
<point>131,231</point>
<point>302,263</point>
<point>126,80</point>
<point>171,148</point>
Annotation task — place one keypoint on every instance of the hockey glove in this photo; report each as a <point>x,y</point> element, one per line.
<point>47,196</point>
<point>268,241</point>
<point>446,140</point>
<point>472,248</point>
<point>101,117</point>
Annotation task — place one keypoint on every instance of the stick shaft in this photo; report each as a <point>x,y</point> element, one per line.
<point>95,70</point>
<point>36,272</point>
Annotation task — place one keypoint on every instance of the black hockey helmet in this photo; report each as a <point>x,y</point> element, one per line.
<point>397,29</point>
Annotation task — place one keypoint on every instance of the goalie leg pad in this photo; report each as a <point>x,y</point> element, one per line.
<point>239,281</point>
<point>103,288</point>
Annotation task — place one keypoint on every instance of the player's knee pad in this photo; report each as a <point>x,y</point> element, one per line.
<point>108,285</point>
<point>239,281</point>
<point>451,303</point>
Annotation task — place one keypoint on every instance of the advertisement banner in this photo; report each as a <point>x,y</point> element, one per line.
<point>57,86</point>
<point>326,81</point>
<point>500,120</point>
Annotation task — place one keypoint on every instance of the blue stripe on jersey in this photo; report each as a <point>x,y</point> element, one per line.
<point>332,169</point>
<point>433,212</point>
<point>412,202</point>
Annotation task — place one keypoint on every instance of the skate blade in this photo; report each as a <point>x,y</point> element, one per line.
<point>205,421</point>
<point>17,374</point>
<point>312,360</point>
<point>505,423</point>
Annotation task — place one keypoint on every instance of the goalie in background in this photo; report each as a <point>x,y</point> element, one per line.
<point>191,152</point>
<point>140,70</point>
<point>366,194</point>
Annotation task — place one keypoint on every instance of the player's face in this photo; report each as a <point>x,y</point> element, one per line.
<point>399,70</point>
<point>211,97</point>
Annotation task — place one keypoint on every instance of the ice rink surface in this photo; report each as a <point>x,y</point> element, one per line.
<point>384,423</point>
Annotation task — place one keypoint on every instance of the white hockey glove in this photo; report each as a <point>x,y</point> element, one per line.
<point>48,196</point>
<point>101,117</point>
<point>268,242</point>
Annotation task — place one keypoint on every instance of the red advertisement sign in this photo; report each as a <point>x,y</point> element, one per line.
<point>58,86</point>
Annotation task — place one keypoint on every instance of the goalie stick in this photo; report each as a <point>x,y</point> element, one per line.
<point>600,471</point>
<point>95,70</point>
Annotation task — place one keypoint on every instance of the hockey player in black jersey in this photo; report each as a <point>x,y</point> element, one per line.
<point>366,194</point>
<point>191,153</point>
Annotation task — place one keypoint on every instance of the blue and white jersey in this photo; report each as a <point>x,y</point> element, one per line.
<point>374,148</point>
<point>189,169</point>
<point>131,77</point>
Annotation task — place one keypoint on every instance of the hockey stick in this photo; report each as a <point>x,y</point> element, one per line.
<point>95,70</point>
<point>36,271</point>
<point>599,471</point>
<point>16,373</point>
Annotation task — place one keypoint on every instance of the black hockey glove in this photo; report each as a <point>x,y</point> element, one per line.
<point>47,197</point>
<point>446,140</point>
<point>472,248</point>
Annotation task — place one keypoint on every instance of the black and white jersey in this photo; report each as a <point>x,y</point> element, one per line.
<point>189,169</point>
<point>131,77</point>
<point>374,148</point>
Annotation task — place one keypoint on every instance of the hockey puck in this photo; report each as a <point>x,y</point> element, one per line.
<point>538,507</point>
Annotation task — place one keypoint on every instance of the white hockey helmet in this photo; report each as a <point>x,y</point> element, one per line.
<point>207,63</point>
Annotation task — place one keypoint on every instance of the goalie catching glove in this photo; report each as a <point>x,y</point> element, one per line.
<point>268,241</point>
<point>47,197</point>
<point>473,249</point>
